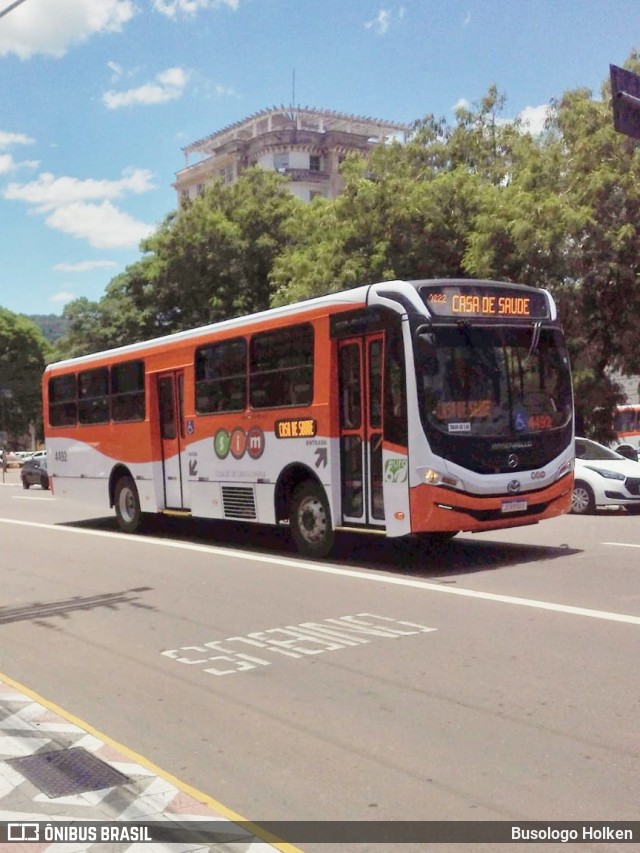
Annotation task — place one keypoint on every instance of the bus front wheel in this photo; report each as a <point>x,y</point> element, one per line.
<point>310,521</point>
<point>127,505</point>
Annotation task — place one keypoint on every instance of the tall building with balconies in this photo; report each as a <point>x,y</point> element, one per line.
<point>307,145</point>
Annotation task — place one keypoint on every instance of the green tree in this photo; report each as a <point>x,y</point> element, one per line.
<point>406,211</point>
<point>212,260</point>
<point>600,294</point>
<point>209,261</point>
<point>482,197</point>
<point>125,314</point>
<point>22,359</point>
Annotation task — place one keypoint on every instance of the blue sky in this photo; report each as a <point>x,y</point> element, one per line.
<point>98,97</point>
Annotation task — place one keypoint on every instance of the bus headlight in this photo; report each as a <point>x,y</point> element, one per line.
<point>436,478</point>
<point>565,468</point>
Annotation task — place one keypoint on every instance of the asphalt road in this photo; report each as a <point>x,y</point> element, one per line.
<point>494,680</point>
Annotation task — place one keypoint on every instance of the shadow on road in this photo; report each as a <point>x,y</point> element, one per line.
<point>460,556</point>
<point>41,611</point>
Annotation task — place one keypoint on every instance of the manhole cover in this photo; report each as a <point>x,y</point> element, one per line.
<point>67,771</point>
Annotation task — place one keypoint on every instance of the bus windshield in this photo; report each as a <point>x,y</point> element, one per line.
<point>500,381</point>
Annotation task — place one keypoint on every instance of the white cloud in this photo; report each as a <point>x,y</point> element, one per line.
<point>533,118</point>
<point>225,91</point>
<point>43,27</point>
<point>167,86</point>
<point>84,209</point>
<point>384,19</point>
<point>62,296</point>
<point>104,226</point>
<point>84,266</point>
<point>8,164</point>
<point>380,23</point>
<point>172,8</point>
<point>202,87</point>
<point>116,71</point>
<point>462,104</point>
<point>8,139</point>
<point>48,192</point>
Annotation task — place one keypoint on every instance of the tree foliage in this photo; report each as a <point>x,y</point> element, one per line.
<point>481,197</point>
<point>22,359</point>
<point>213,259</point>
<point>210,260</point>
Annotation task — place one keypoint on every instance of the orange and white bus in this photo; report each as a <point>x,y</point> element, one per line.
<point>403,407</point>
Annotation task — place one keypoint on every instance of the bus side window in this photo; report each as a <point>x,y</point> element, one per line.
<point>127,392</point>
<point>93,396</point>
<point>299,391</point>
<point>350,385</point>
<point>63,403</point>
<point>281,368</point>
<point>395,391</point>
<point>220,377</point>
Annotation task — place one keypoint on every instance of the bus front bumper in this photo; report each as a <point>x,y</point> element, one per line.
<point>435,508</point>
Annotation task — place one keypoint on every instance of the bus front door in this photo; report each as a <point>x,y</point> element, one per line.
<point>360,371</point>
<point>171,409</point>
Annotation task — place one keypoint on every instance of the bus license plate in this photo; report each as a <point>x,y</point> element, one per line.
<point>515,505</point>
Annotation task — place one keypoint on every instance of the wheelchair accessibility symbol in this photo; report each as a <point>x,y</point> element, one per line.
<point>519,421</point>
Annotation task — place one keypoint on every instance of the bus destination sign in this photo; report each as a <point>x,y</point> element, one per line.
<point>490,302</point>
<point>296,428</point>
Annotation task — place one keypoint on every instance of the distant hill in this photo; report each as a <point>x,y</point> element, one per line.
<point>51,325</point>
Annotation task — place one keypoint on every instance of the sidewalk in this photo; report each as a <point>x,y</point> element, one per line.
<point>134,790</point>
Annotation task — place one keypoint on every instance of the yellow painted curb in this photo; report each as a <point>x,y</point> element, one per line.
<point>200,796</point>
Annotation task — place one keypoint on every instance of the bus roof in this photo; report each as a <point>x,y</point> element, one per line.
<point>348,298</point>
<point>406,291</point>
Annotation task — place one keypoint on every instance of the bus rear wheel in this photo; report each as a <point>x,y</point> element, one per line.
<point>127,505</point>
<point>310,521</point>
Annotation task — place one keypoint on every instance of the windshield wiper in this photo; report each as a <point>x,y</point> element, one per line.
<point>488,364</point>
<point>535,341</point>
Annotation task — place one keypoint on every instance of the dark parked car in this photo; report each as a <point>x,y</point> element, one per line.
<point>35,471</point>
<point>628,450</point>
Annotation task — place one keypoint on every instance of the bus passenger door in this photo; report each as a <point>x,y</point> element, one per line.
<point>360,371</point>
<point>171,409</point>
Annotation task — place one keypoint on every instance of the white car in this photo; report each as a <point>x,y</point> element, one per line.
<point>604,478</point>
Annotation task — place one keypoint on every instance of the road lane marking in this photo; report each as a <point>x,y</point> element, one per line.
<point>622,544</point>
<point>30,498</point>
<point>337,570</point>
